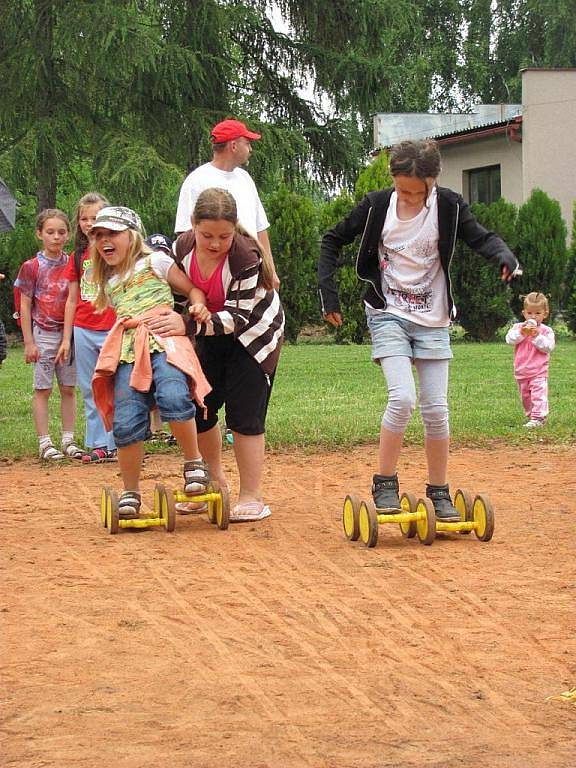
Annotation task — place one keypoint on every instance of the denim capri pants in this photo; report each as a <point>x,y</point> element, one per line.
<point>394,336</point>
<point>170,391</point>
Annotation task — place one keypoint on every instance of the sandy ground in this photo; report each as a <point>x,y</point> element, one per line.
<point>280,643</point>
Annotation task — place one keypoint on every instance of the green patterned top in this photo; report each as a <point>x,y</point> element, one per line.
<point>143,290</point>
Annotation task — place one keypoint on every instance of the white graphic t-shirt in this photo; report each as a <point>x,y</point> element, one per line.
<point>413,282</point>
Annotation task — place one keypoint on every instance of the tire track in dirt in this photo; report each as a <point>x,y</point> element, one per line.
<point>407,617</point>
<point>165,629</point>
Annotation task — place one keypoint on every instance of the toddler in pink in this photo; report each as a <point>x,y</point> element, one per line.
<point>533,341</point>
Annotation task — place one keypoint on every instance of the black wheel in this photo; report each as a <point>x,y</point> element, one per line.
<point>463,503</point>
<point>426,526</point>
<point>408,504</point>
<point>483,515</point>
<point>368,523</point>
<point>350,520</point>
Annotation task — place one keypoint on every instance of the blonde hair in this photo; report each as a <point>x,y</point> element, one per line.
<point>536,300</point>
<point>90,198</point>
<point>51,213</point>
<point>217,204</point>
<point>102,272</point>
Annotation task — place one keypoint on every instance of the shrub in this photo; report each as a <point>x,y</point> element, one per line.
<point>350,288</point>
<point>295,245</point>
<point>570,282</point>
<point>374,176</point>
<point>541,249</point>
<point>482,299</point>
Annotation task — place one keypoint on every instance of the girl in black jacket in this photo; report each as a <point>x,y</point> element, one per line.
<point>409,234</point>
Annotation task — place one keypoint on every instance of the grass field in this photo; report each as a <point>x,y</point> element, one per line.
<point>327,395</point>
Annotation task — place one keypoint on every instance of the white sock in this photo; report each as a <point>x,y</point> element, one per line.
<point>67,438</point>
<point>44,441</point>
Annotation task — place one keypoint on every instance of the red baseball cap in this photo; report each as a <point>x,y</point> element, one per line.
<point>228,130</point>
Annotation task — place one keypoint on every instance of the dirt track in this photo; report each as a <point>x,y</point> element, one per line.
<point>279,643</point>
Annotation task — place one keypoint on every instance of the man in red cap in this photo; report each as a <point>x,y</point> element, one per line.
<point>231,148</point>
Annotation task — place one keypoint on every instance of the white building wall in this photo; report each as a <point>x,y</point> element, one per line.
<point>549,142</point>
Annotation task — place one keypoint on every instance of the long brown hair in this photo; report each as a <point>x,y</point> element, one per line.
<point>217,204</point>
<point>103,272</point>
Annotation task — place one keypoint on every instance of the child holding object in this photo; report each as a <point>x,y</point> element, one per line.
<point>533,341</point>
<point>137,369</point>
<point>408,237</point>
<point>43,290</point>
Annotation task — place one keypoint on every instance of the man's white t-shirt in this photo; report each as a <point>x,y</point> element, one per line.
<point>239,183</point>
<point>413,281</point>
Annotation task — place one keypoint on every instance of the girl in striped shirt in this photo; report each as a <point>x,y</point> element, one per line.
<point>240,344</point>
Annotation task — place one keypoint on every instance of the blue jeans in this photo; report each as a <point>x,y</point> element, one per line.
<point>170,391</point>
<point>394,336</point>
<point>87,346</point>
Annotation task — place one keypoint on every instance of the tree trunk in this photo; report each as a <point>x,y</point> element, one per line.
<point>46,170</point>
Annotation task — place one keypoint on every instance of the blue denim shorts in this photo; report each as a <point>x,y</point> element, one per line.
<point>170,391</point>
<point>394,336</point>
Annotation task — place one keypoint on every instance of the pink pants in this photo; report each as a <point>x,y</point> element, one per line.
<point>534,394</point>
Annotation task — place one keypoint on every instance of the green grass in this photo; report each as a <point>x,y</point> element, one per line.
<point>329,396</point>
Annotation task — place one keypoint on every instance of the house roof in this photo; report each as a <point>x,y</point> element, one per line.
<point>393,127</point>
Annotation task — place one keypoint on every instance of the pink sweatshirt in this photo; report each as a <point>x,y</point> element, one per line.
<point>531,353</point>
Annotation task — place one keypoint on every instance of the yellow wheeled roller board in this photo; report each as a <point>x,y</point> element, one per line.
<point>164,511</point>
<point>164,514</point>
<point>476,514</point>
<point>217,503</point>
<point>362,520</point>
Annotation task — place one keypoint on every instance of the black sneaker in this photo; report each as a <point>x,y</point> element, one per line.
<point>385,492</point>
<point>445,511</point>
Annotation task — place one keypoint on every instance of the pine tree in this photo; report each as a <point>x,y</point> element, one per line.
<point>541,233</point>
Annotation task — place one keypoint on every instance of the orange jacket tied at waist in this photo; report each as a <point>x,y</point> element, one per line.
<point>179,352</point>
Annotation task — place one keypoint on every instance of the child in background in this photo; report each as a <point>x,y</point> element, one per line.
<point>89,327</point>
<point>533,341</point>
<point>44,290</point>
<point>137,368</point>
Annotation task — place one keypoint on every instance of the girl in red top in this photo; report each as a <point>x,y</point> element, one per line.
<point>90,327</point>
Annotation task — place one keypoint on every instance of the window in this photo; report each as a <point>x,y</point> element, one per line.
<point>484,184</point>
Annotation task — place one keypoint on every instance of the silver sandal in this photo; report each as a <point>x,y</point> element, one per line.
<point>129,505</point>
<point>51,453</point>
<point>196,477</point>
<point>72,451</point>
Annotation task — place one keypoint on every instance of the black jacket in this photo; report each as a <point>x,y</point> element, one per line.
<point>455,221</point>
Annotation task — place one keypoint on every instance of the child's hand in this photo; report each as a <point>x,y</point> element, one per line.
<point>200,312</point>
<point>31,353</point>
<point>63,353</point>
